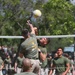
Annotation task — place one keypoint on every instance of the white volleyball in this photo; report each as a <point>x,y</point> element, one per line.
<point>37,13</point>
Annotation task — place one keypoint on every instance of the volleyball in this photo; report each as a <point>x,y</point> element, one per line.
<point>37,13</point>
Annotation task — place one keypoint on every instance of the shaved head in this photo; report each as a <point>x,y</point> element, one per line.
<point>26,64</point>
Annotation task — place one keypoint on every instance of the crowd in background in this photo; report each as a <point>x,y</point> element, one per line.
<point>8,56</point>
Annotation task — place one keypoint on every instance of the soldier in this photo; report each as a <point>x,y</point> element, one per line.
<point>30,47</point>
<point>43,55</point>
<point>7,63</point>
<point>18,63</point>
<point>26,68</point>
<point>1,66</point>
<point>60,64</point>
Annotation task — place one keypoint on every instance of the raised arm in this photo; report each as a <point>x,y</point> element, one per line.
<point>31,27</point>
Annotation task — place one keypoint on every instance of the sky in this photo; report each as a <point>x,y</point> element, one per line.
<point>73,1</point>
<point>71,49</point>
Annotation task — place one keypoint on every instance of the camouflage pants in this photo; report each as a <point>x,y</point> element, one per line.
<point>35,66</point>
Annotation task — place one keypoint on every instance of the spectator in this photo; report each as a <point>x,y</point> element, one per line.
<point>49,58</point>
<point>7,63</point>
<point>71,63</point>
<point>60,64</point>
<point>26,68</point>
<point>18,63</point>
<point>1,66</point>
<point>55,56</point>
<point>2,53</point>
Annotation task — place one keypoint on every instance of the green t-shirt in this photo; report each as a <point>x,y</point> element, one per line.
<point>29,47</point>
<point>19,62</point>
<point>7,60</point>
<point>1,61</point>
<point>44,51</point>
<point>26,73</point>
<point>60,64</point>
<point>71,64</point>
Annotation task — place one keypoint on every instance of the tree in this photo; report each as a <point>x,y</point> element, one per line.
<point>13,16</point>
<point>58,17</point>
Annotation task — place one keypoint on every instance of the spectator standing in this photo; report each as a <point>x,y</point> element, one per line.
<point>26,68</point>
<point>1,66</point>
<point>7,63</point>
<point>55,56</point>
<point>49,58</point>
<point>61,64</point>
<point>71,63</point>
<point>18,63</point>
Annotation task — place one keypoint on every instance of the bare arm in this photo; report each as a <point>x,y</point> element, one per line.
<point>36,30</point>
<point>50,72</point>
<point>51,69</point>
<point>31,27</point>
<point>15,67</point>
<point>67,69</point>
<point>42,56</point>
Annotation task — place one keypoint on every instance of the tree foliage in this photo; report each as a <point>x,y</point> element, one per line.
<point>59,17</point>
<point>14,16</point>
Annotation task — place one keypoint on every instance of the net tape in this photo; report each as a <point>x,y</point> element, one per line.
<point>52,36</point>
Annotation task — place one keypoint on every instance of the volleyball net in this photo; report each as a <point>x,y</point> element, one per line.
<point>52,36</point>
